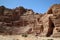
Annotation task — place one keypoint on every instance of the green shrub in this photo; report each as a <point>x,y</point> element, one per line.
<point>24,35</point>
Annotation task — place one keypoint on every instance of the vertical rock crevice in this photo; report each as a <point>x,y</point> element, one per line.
<point>51,28</point>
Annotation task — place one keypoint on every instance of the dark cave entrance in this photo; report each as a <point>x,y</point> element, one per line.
<point>51,28</point>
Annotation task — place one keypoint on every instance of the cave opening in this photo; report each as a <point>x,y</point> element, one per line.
<point>51,28</point>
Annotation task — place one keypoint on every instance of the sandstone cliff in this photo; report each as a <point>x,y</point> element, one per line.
<point>26,21</point>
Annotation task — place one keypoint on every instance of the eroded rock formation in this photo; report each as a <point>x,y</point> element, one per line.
<point>20,20</point>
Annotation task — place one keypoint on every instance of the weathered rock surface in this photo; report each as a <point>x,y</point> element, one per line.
<point>55,10</point>
<point>26,21</point>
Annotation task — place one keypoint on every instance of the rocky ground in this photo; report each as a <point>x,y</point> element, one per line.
<point>30,37</point>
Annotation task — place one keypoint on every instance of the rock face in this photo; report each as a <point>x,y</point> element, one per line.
<point>55,9</point>
<point>20,21</point>
<point>17,21</point>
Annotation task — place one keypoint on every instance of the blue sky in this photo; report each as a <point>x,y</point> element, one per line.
<point>40,6</point>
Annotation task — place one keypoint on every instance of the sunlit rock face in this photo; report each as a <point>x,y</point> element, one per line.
<point>26,21</point>
<point>55,19</point>
<point>18,20</point>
